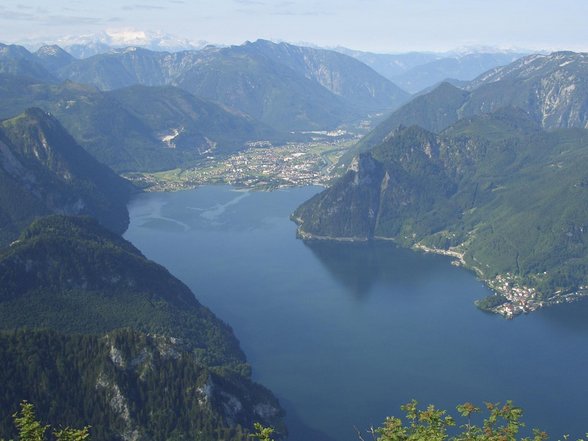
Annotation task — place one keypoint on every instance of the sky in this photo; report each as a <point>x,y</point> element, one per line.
<point>385,26</point>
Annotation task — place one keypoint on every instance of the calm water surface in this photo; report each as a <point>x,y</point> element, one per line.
<point>346,333</point>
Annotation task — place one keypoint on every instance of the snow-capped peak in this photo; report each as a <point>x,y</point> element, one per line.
<point>91,44</point>
<point>155,40</point>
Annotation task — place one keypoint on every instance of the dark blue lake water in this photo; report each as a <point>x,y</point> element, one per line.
<point>344,334</point>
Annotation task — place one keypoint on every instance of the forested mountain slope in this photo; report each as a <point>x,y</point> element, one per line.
<point>505,197</point>
<point>43,170</point>
<point>117,342</point>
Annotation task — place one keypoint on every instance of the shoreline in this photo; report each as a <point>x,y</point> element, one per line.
<point>301,234</point>
<point>509,298</point>
<point>518,299</point>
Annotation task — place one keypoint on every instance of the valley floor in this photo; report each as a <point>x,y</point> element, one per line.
<point>295,164</point>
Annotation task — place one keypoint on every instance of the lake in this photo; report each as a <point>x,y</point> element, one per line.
<point>345,333</point>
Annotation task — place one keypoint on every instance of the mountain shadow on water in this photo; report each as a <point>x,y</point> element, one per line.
<point>362,265</point>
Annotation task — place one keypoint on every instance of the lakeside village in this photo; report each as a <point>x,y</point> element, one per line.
<point>265,167</point>
<point>519,299</point>
<point>510,297</point>
<point>261,166</point>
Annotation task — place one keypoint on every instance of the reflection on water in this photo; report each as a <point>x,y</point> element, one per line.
<point>573,317</point>
<point>346,333</point>
<point>360,266</point>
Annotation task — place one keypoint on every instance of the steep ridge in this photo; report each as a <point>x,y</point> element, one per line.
<point>16,60</point>
<point>344,76</point>
<point>119,343</point>
<point>137,128</point>
<point>271,92</point>
<point>43,170</point>
<point>495,191</point>
<point>434,112</point>
<point>552,89</point>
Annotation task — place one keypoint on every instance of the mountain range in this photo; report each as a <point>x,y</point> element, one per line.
<point>492,174</point>
<point>552,89</point>
<point>141,110</point>
<point>16,60</point>
<point>355,82</point>
<point>417,71</point>
<point>285,86</point>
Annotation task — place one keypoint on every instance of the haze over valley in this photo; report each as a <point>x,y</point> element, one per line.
<point>284,221</point>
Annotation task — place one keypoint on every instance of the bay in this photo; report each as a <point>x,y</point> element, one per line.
<point>345,333</point>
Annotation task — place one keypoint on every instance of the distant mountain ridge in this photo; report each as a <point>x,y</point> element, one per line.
<point>16,60</point>
<point>84,46</point>
<point>552,89</point>
<point>285,86</point>
<point>53,57</point>
<point>463,68</point>
<point>415,71</point>
<point>391,65</point>
<point>342,75</point>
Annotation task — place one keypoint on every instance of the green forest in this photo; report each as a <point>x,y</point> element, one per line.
<point>495,189</point>
<point>95,334</point>
<point>493,422</point>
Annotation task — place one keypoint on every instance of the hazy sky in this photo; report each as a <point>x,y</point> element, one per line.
<point>376,25</point>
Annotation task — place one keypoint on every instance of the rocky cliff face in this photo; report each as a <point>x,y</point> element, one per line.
<point>551,89</point>
<point>44,171</point>
<point>344,76</point>
<point>495,191</point>
<point>119,343</point>
<point>129,386</point>
<point>350,208</point>
<point>388,191</point>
